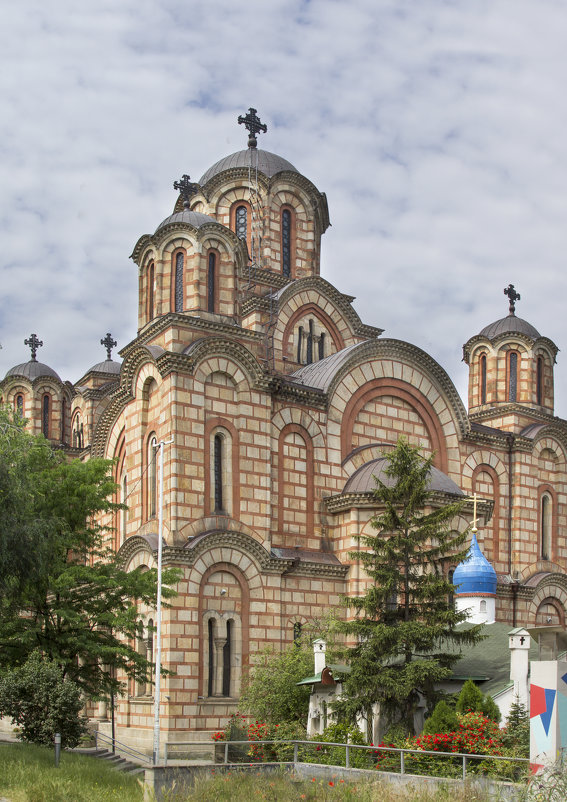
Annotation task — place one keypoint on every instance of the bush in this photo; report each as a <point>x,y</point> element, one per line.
<point>41,702</point>
<point>443,719</point>
<point>472,700</point>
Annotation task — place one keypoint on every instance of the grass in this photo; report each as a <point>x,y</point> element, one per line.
<point>244,787</point>
<point>28,774</point>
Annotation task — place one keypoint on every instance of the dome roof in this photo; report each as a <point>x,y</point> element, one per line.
<point>268,163</point>
<point>108,366</point>
<point>195,219</point>
<point>362,480</point>
<point>475,574</point>
<point>510,325</point>
<point>32,370</point>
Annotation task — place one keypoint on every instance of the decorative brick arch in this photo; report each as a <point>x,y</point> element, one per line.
<point>243,616</point>
<point>324,319</point>
<point>552,589</point>
<point>394,387</point>
<point>302,419</point>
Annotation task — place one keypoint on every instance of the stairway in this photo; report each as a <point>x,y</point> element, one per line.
<point>114,759</point>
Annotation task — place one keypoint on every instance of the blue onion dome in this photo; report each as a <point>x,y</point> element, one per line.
<point>475,576</point>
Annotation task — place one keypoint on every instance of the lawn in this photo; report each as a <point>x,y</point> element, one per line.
<point>28,774</point>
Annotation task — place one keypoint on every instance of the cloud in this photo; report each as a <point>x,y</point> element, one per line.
<point>436,130</point>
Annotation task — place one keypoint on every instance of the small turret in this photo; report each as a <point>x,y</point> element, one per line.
<point>475,582</point>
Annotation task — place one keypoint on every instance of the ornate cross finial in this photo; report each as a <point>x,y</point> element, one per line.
<point>186,188</point>
<point>513,296</point>
<point>254,126</point>
<point>34,344</point>
<point>109,344</point>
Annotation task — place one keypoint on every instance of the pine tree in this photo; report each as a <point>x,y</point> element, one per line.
<point>405,626</point>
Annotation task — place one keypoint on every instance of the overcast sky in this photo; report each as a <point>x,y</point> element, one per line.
<point>437,128</point>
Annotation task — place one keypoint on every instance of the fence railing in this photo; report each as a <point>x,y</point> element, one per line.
<point>123,748</point>
<point>464,758</point>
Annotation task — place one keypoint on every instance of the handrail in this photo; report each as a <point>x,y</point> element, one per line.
<point>122,747</point>
<point>402,752</point>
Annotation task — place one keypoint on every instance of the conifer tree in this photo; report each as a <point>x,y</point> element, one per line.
<point>405,626</point>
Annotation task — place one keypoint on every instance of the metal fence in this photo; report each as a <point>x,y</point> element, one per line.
<point>256,747</point>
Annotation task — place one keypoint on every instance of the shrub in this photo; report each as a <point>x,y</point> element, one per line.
<point>472,700</point>
<point>41,702</point>
<point>443,719</point>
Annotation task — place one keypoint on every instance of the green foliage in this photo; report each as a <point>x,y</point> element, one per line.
<point>443,719</point>
<point>270,692</point>
<point>472,699</point>
<point>57,567</point>
<point>404,625</point>
<point>516,735</point>
<point>342,733</point>
<point>40,702</point>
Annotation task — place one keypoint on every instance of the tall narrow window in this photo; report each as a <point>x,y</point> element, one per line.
<point>546,509</point>
<point>241,222</point>
<point>152,477</point>
<point>211,279</point>
<point>299,343</point>
<point>322,345</point>
<point>179,260</point>
<point>297,633</point>
<point>45,416</point>
<point>286,242</point>
<point>451,598</point>
<point>211,650</point>
<point>151,291</point>
<point>483,379</point>
<point>512,376</point>
<point>309,358</point>
<point>218,468</point>
<point>539,380</point>
<point>19,405</point>
<point>226,659</point>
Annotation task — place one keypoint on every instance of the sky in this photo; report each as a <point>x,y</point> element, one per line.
<point>437,129</point>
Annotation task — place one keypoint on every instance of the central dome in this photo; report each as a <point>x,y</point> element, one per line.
<point>268,163</point>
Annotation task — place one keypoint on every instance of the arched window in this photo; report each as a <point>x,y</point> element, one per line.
<point>241,222</point>
<point>512,375</point>
<point>539,380</point>
<point>482,605</point>
<point>19,405</point>
<point>297,633</point>
<point>151,279</point>
<point>179,263</point>
<point>211,281</point>
<point>546,513</point>
<point>286,242</point>
<point>152,476</point>
<point>299,343</point>
<point>482,377</point>
<point>78,432</point>
<point>322,345</point>
<point>218,466</point>
<point>45,412</point>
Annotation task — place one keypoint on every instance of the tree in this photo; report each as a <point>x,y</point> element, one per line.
<point>443,719</point>
<point>405,627</point>
<point>38,699</point>
<point>472,700</point>
<point>62,589</point>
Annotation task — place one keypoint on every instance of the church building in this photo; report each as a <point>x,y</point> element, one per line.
<point>274,404</point>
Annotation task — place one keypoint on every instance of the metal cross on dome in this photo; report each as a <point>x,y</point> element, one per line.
<point>513,297</point>
<point>252,122</point>
<point>186,189</point>
<point>109,344</point>
<point>34,344</point>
